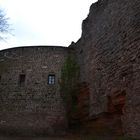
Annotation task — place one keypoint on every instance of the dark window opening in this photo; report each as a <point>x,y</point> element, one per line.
<point>22,79</point>
<point>51,79</point>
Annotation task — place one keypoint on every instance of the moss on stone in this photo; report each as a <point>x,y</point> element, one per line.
<point>69,83</point>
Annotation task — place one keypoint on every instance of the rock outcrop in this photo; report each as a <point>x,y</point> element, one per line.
<point>108,53</point>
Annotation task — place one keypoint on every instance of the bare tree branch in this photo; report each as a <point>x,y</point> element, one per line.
<point>4,25</point>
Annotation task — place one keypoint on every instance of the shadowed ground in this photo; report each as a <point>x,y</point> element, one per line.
<point>66,138</point>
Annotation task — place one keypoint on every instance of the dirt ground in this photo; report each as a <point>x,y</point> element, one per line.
<point>32,138</point>
<point>65,138</point>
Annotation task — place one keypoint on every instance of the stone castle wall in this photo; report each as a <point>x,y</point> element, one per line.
<point>108,54</point>
<point>109,57</point>
<point>27,101</point>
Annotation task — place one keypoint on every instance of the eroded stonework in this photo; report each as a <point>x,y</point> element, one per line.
<point>108,56</point>
<point>27,101</point>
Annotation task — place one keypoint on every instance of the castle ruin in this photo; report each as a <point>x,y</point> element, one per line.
<point>103,86</point>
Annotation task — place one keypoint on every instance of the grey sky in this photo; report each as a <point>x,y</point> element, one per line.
<point>44,22</point>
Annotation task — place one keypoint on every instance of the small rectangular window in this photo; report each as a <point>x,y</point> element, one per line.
<point>51,79</point>
<point>22,79</point>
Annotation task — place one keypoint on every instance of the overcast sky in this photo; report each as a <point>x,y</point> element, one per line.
<point>44,22</point>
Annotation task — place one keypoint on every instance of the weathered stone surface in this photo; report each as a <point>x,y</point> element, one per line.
<point>35,105</point>
<point>109,58</point>
<point>108,54</point>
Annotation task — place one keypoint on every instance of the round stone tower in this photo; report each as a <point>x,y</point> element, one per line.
<point>30,101</point>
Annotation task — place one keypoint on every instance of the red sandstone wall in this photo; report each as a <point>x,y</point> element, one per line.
<point>109,59</point>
